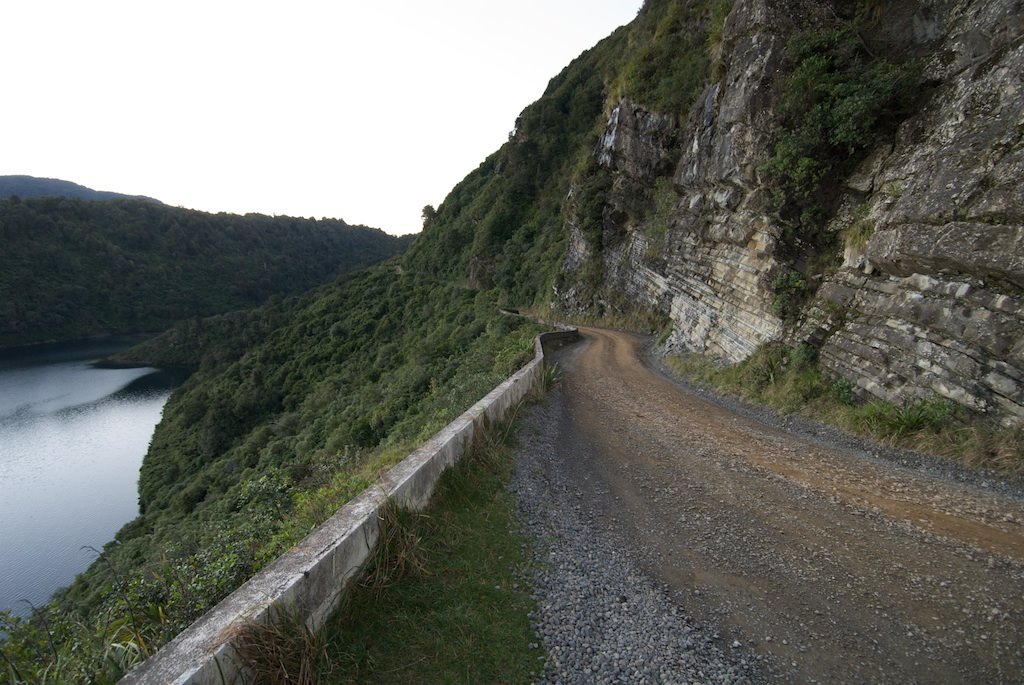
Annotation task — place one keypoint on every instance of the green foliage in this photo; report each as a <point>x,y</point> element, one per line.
<point>663,199</point>
<point>48,649</point>
<point>466,596</point>
<point>786,378</point>
<point>501,227</point>
<point>668,62</point>
<point>592,192</point>
<point>552,376</point>
<point>836,102</point>
<point>842,390</point>
<point>72,268</point>
<point>504,225</point>
<point>428,215</point>
<point>891,421</point>
<point>860,230</point>
<point>718,11</point>
<point>791,292</point>
<point>294,408</point>
<point>398,554</point>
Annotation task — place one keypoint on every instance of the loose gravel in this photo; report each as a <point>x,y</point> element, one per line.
<point>686,541</point>
<point>600,618</point>
<point>823,434</point>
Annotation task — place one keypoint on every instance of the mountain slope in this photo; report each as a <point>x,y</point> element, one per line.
<point>32,186</point>
<point>820,186</point>
<point>73,268</point>
<point>509,224</point>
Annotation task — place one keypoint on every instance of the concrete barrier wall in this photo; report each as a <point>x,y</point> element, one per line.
<point>311,576</point>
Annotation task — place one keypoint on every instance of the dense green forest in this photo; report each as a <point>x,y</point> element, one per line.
<point>74,268</point>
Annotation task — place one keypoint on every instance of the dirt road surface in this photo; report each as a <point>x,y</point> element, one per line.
<point>831,564</point>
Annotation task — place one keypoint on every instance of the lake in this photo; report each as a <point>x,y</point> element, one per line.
<point>72,438</point>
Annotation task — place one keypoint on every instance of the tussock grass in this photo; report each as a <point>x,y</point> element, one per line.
<point>461,614</point>
<point>399,552</point>
<point>443,598</point>
<point>788,379</point>
<point>281,650</point>
<point>551,376</point>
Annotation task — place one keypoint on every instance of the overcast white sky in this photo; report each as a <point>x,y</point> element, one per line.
<point>363,110</point>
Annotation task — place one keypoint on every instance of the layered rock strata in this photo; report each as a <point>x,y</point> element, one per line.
<point>932,303</point>
<point>929,299</point>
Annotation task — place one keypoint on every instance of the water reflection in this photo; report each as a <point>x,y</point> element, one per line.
<point>72,438</point>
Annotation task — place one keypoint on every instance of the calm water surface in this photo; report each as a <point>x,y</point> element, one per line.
<point>72,438</point>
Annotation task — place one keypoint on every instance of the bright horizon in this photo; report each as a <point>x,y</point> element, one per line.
<point>322,109</point>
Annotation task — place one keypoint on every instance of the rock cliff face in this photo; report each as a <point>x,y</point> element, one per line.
<point>932,303</point>
<point>928,300</point>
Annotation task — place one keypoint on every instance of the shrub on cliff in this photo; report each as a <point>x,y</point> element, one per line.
<point>837,102</point>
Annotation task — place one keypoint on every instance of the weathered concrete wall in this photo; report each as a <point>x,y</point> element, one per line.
<point>311,576</point>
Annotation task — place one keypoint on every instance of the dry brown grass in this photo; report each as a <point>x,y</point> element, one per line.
<point>281,650</point>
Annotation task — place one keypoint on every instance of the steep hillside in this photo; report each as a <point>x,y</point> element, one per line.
<point>32,186</point>
<point>73,268</point>
<point>511,222</point>
<point>850,180</point>
<point>842,176</point>
<point>293,409</point>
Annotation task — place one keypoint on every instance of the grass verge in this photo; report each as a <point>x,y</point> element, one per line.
<point>459,614</point>
<point>788,379</point>
<point>443,599</point>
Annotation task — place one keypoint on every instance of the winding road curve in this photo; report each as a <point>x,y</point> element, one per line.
<point>826,563</point>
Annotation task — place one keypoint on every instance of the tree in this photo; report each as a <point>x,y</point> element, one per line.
<point>428,215</point>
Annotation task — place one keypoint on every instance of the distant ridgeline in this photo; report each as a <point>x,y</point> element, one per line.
<point>72,268</point>
<point>31,186</point>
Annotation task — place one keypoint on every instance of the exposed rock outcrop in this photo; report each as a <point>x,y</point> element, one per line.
<point>929,300</point>
<point>939,309</point>
<point>638,143</point>
<point>710,269</point>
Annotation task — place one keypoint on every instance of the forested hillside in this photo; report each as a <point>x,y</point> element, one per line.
<point>32,186</point>
<point>74,268</point>
<point>509,224</point>
<point>295,408</point>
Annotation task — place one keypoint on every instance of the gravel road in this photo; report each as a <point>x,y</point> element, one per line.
<point>682,541</point>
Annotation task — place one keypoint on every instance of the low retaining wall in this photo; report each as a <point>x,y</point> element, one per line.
<point>311,576</point>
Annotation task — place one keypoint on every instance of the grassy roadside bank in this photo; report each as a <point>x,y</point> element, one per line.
<point>788,379</point>
<point>444,600</point>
